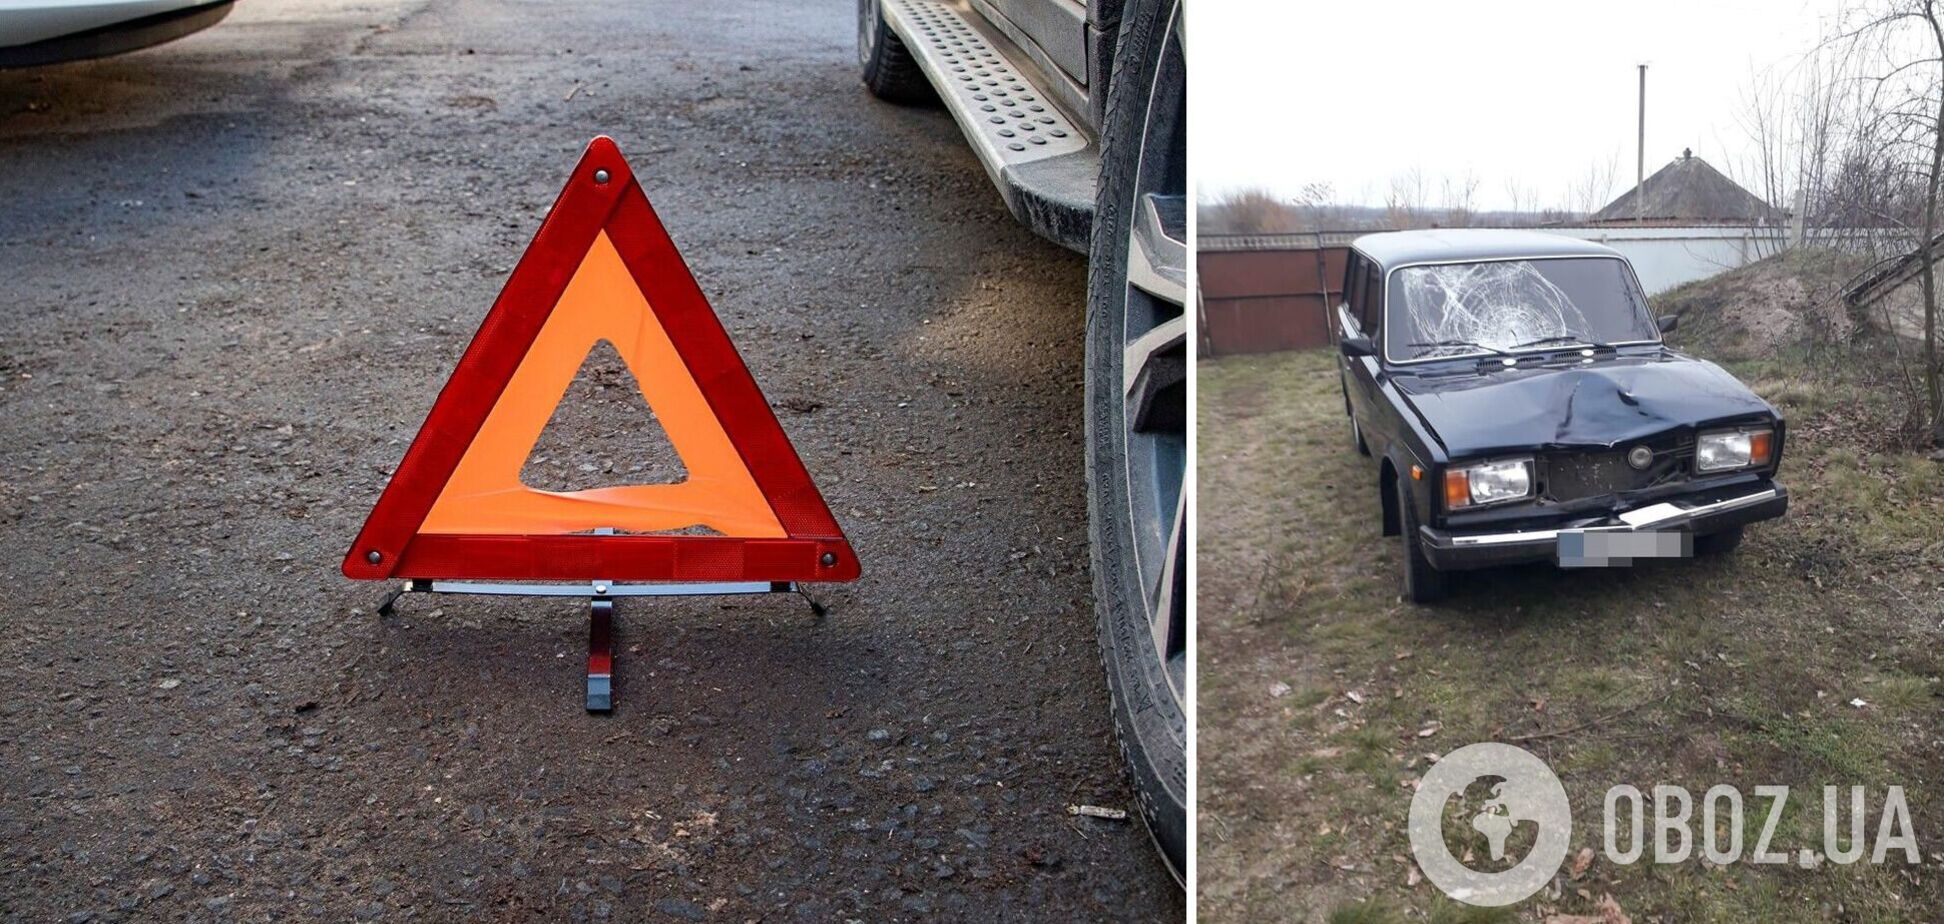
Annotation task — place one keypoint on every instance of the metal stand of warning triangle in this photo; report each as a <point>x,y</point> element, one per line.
<point>600,617</point>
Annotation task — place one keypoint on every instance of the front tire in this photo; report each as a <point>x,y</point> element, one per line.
<point>1721,543</point>
<point>1422,582</point>
<point>1136,409</point>
<point>890,71</point>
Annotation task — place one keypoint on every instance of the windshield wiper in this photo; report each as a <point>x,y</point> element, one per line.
<point>1562,338</point>
<point>1457,343</point>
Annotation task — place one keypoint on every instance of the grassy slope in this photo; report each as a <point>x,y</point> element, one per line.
<point>1691,673</point>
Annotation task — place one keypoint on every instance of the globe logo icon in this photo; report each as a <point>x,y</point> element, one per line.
<point>1526,791</point>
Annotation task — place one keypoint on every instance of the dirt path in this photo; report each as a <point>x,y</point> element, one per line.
<point>236,270</point>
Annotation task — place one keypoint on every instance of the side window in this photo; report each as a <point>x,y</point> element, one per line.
<point>1371,316</point>
<point>1353,279</point>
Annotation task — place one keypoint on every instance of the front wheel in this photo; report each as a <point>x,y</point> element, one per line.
<point>1721,543</point>
<point>890,71</point>
<point>1422,582</point>
<point>1137,413</point>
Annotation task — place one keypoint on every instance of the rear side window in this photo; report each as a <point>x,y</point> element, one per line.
<point>1353,294</point>
<point>1371,315</point>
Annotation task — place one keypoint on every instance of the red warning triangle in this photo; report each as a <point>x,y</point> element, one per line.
<point>602,269</point>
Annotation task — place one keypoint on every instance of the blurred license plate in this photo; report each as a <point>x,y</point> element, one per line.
<point>1579,549</point>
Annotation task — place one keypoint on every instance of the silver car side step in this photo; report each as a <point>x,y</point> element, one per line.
<point>1044,164</point>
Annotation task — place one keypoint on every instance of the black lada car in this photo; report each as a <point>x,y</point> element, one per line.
<point>1515,391</point>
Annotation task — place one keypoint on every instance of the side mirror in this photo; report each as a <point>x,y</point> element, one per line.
<point>1357,346</point>
<point>1667,323</point>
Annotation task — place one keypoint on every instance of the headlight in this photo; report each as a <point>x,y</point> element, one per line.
<point>1487,483</point>
<point>1730,450</point>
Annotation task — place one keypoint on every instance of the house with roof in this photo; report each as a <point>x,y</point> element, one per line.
<point>1687,193</point>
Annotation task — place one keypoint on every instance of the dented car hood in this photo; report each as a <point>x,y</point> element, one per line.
<point>1611,400</point>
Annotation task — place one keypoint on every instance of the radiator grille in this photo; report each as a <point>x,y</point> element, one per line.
<point>1571,476</point>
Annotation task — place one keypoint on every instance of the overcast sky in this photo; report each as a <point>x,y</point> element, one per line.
<point>1355,93</point>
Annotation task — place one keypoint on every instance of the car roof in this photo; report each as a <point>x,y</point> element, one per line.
<point>1450,245</point>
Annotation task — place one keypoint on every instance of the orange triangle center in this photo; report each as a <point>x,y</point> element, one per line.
<point>601,302</point>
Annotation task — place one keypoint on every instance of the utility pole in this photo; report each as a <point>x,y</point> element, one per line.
<point>1640,155</point>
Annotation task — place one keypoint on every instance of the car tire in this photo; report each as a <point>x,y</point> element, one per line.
<point>1422,582</point>
<point>1721,543</point>
<point>890,71</point>
<point>1137,425</point>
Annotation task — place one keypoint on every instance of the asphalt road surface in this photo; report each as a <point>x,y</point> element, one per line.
<point>235,271</point>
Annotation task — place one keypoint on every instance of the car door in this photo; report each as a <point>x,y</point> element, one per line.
<point>1056,29</point>
<point>1362,316</point>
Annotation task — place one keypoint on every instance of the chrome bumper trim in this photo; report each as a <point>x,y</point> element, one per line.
<point>1677,516</point>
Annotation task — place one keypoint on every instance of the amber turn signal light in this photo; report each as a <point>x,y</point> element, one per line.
<point>1457,486</point>
<point>1760,446</point>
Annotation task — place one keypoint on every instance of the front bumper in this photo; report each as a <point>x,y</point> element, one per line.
<point>54,32</point>
<point>1453,551</point>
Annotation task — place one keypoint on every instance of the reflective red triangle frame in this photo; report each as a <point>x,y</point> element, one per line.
<point>814,547</point>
